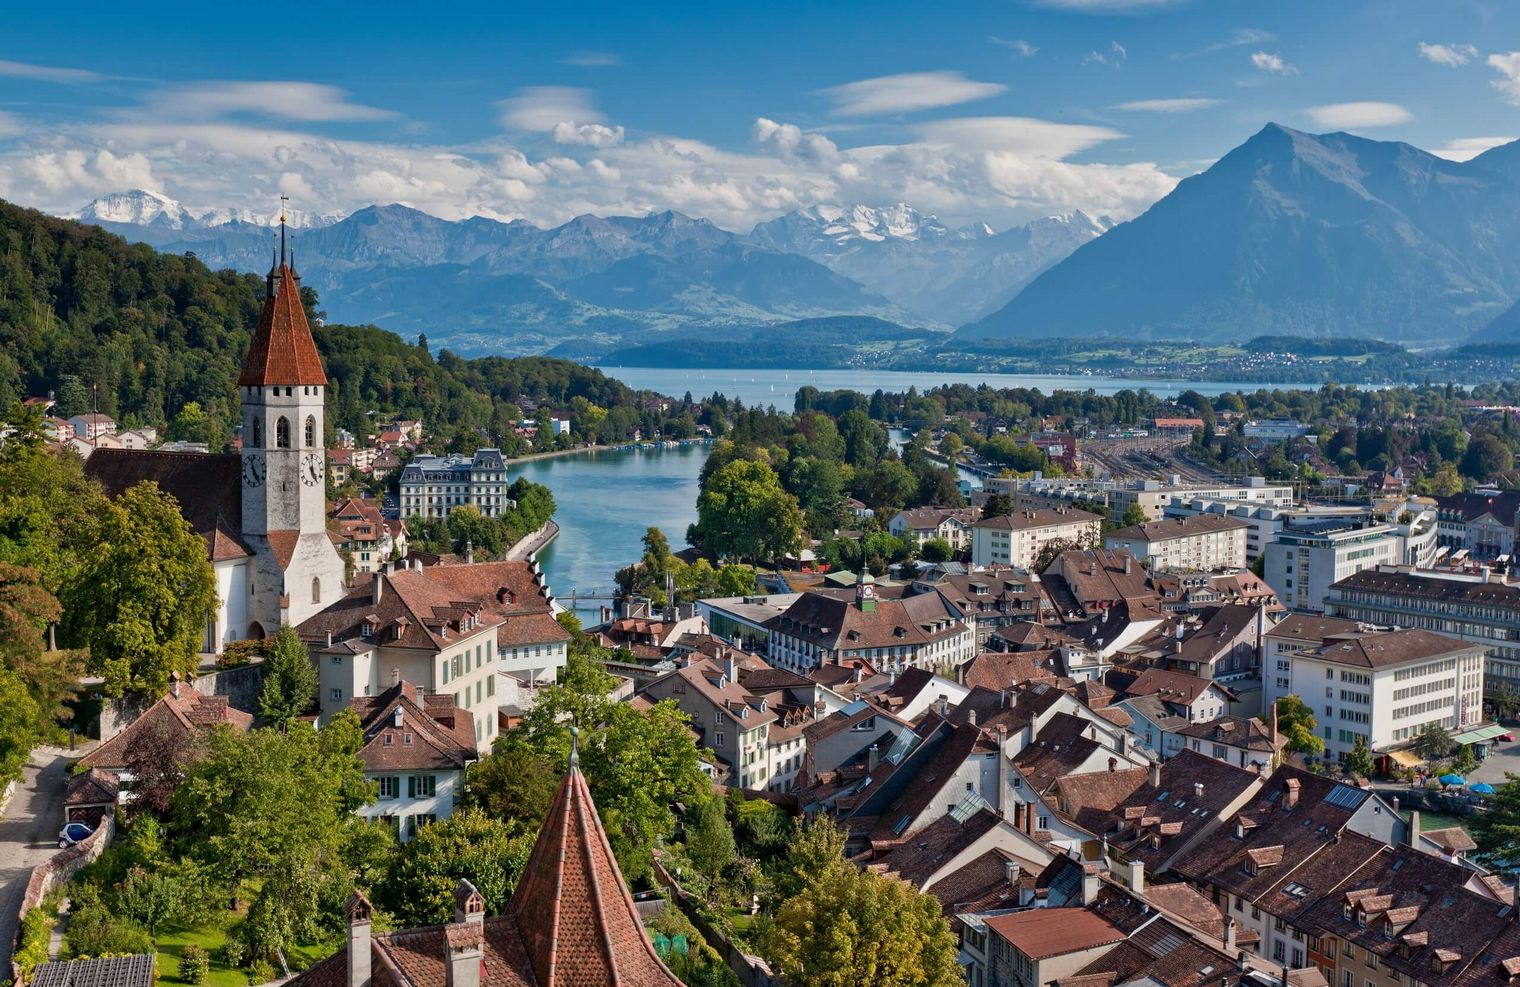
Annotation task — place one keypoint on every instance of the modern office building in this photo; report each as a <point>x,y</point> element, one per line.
<point>1308,556</point>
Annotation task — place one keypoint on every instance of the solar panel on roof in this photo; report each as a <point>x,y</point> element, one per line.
<point>1157,939</point>
<point>1346,796</point>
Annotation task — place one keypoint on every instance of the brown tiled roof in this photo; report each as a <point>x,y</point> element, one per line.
<point>1194,791</point>
<point>94,787</point>
<point>415,610</point>
<point>282,350</point>
<point>434,732</point>
<point>1176,687</point>
<point>1307,627</point>
<point>1385,649</point>
<point>838,624</point>
<point>1060,748</point>
<point>1005,669</point>
<point>899,821</point>
<point>207,486</point>
<point>1041,933</point>
<point>1237,731</point>
<point>1090,799</point>
<point>1452,839</point>
<point>578,923</point>
<point>916,860</point>
<point>1043,517</point>
<point>191,710</point>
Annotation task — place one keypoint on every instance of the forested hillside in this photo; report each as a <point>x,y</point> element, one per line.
<point>95,318</point>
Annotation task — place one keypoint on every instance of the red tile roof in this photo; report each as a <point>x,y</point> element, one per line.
<point>433,732</point>
<point>191,710</point>
<point>282,351</point>
<point>1045,932</point>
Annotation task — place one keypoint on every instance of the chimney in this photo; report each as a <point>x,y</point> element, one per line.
<point>1197,789</point>
<point>730,667</point>
<point>1029,819</point>
<point>1274,729</point>
<point>1414,828</point>
<point>871,761</point>
<point>1002,771</point>
<point>465,937</point>
<point>1091,882</point>
<point>1137,876</point>
<point>1155,776</point>
<point>174,684</point>
<point>1290,795</point>
<point>1127,560</point>
<point>469,552</point>
<point>1229,935</point>
<point>944,706</point>
<point>376,588</point>
<point>359,911</point>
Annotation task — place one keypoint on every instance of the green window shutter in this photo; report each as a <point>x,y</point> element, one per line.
<point>411,786</point>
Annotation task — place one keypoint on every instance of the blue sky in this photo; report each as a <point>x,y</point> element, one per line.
<point>997,111</point>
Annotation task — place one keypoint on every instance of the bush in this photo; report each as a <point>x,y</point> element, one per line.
<point>260,972</point>
<point>239,653</point>
<point>94,931</point>
<point>32,946</point>
<point>194,964</point>
<point>233,953</point>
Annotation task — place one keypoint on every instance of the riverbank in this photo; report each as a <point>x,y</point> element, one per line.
<point>531,544</point>
<point>555,453</point>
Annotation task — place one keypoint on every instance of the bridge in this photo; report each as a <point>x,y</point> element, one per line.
<point>592,595</point>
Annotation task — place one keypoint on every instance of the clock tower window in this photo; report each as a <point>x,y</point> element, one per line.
<point>257,433</point>
<point>282,433</point>
<point>311,431</point>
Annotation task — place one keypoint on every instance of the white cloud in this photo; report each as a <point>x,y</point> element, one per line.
<point>1022,135</point>
<point>1115,54</point>
<point>1180,105</point>
<point>593,59</point>
<point>10,124</point>
<point>1354,116</point>
<point>790,140</point>
<point>1018,46</point>
<point>1507,64</point>
<point>590,134</point>
<point>1467,148</point>
<point>542,108</point>
<point>1106,6</point>
<point>1271,62</point>
<point>907,92</point>
<point>1447,54</point>
<point>48,73</point>
<point>1239,37</point>
<point>307,102</point>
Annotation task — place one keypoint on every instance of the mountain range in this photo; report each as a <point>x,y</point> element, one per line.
<point>1325,236</point>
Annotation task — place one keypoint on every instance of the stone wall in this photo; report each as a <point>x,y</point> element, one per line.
<point>59,869</point>
<point>241,686</point>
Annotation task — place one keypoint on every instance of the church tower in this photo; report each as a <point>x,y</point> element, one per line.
<point>297,571</point>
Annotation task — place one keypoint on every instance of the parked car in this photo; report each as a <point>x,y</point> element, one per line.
<point>1508,738</point>
<point>72,833</point>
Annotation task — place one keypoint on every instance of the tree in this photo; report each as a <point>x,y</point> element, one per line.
<point>290,679</point>
<point>73,398</point>
<point>1434,742</point>
<point>998,505</point>
<point>1049,550</point>
<point>158,760</point>
<point>1359,762</point>
<point>743,512</point>
<point>514,785</point>
<point>1295,721</point>
<point>710,842</point>
<point>470,529</point>
<point>1487,456</point>
<point>418,888</point>
<point>18,726</point>
<point>935,550</point>
<point>139,601</point>
<point>1133,514</point>
<point>813,848</point>
<point>51,675</point>
<point>834,933</point>
<point>1497,830</point>
<point>192,424</point>
<point>1506,701</point>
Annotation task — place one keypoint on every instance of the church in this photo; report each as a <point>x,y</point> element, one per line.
<point>263,510</point>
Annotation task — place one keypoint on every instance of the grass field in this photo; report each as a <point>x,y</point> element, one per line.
<point>210,937</point>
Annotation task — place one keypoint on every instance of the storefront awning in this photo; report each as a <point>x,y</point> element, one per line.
<point>1478,736</point>
<point>1407,759</point>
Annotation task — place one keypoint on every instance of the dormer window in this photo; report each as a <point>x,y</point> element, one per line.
<point>1361,919</point>
<point>1346,912</point>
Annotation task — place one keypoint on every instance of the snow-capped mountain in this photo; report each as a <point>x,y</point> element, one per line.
<point>143,208</point>
<point>949,275</point>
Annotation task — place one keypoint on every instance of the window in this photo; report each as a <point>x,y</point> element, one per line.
<point>389,787</point>
<point>718,739</point>
<point>336,695</point>
<point>491,686</point>
<point>282,433</point>
<point>258,433</point>
<point>445,671</point>
<point>311,431</point>
<point>316,590</point>
<point>420,786</point>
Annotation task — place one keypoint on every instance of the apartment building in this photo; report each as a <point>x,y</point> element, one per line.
<point>432,486</point>
<point>1476,608</point>
<point>1481,522</point>
<point>1200,542</point>
<point>1016,539</point>
<point>1309,556</point>
<point>1384,686</point>
<point>919,524</point>
<point>1153,496</point>
<point>1262,521</point>
<point>922,631</point>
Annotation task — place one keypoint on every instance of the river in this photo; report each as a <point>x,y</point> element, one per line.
<point>603,503</point>
<point>779,387</point>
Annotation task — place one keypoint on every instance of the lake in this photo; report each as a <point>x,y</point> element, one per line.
<point>779,387</point>
<point>603,503</point>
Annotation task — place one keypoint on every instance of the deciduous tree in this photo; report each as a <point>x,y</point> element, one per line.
<point>1295,721</point>
<point>290,679</point>
<point>418,888</point>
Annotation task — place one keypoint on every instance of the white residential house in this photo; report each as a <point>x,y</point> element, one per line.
<point>1202,542</point>
<point>1016,539</point>
<point>416,749</point>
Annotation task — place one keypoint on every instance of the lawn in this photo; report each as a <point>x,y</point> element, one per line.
<point>210,937</point>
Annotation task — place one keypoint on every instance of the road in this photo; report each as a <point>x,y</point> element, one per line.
<point>29,835</point>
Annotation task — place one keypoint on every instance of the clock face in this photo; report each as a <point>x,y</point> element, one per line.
<point>867,591</point>
<point>253,471</point>
<point>311,469</point>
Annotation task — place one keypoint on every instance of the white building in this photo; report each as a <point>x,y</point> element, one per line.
<point>1153,496</point>
<point>923,631</point>
<point>1199,543</point>
<point>1016,539</point>
<point>432,486</point>
<point>1384,686</point>
<point>1308,557</point>
<point>919,524</point>
<point>1275,429</point>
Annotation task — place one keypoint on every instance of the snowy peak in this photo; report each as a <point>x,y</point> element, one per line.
<point>140,207</point>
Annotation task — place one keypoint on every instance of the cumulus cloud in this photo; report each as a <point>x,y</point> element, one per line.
<point>1447,54</point>
<point>306,102</point>
<point>590,134</point>
<point>1466,148</point>
<point>1507,64</point>
<point>10,124</point>
<point>48,73</point>
<point>1354,116</point>
<point>790,140</point>
<point>542,108</point>
<point>906,92</point>
<point>1018,46</point>
<point>1184,104</point>
<point>1272,62</point>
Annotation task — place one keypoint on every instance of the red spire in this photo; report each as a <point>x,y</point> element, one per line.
<point>282,351</point>
<point>574,913</point>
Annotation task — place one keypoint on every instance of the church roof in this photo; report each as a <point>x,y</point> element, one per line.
<point>208,487</point>
<point>282,351</point>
